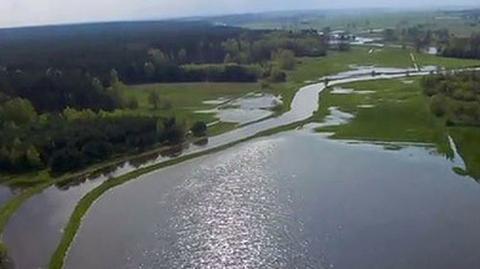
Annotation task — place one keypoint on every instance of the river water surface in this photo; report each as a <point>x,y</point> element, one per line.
<point>295,200</point>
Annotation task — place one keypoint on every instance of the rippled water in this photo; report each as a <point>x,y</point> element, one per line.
<point>227,210</point>
<point>295,200</point>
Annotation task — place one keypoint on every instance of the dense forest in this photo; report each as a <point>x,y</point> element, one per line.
<point>463,47</point>
<point>73,65</point>
<point>144,50</point>
<point>74,139</point>
<point>455,97</point>
<point>58,82</point>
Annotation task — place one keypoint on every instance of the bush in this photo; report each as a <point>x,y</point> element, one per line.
<point>154,99</point>
<point>278,76</point>
<point>18,111</point>
<point>438,105</point>
<point>66,160</point>
<point>456,95</point>
<point>132,103</point>
<point>285,59</point>
<point>265,85</point>
<point>199,129</point>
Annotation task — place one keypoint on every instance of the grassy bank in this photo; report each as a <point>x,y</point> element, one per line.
<point>467,140</point>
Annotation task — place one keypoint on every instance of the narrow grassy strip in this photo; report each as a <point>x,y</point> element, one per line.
<point>70,231</point>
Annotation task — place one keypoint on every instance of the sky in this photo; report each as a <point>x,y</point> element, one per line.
<point>15,13</point>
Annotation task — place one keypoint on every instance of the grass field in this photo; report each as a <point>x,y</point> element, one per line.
<point>400,113</point>
<point>186,98</point>
<point>335,62</point>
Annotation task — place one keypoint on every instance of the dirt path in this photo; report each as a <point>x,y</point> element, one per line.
<point>414,61</point>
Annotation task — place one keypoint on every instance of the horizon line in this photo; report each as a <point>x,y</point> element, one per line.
<point>205,17</point>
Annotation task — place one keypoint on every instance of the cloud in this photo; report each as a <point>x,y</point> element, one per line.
<point>34,12</point>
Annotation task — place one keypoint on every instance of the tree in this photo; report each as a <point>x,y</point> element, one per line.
<point>418,44</point>
<point>389,35</point>
<point>228,59</point>
<point>71,114</point>
<point>285,59</point>
<point>65,160</point>
<point>199,129</point>
<point>182,56</point>
<point>114,77</point>
<point>154,99</point>
<point>132,103</point>
<point>232,47</point>
<point>158,57</point>
<point>438,105</point>
<point>278,76</point>
<point>149,70</point>
<point>32,157</point>
<point>18,111</point>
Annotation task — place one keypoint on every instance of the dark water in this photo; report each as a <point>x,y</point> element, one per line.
<point>295,200</point>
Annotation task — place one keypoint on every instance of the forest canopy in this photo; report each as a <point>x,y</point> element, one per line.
<point>57,83</point>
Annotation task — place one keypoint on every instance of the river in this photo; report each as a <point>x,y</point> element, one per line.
<point>37,227</point>
<point>294,200</point>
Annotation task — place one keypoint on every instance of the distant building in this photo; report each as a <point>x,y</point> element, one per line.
<point>339,39</point>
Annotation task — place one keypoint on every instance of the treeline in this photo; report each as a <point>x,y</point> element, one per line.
<point>58,83</point>
<point>76,66</point>
<point>455,96</point>
<point>154,73</point>
<point>74,139</point>
<point>56,90</point>
<point>237,55</point>
<point>101,47</point>
<point>463,47</point>
<point>419,36</point>
<point>144,50</point>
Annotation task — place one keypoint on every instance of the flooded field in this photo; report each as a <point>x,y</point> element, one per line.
<point>247,109</point>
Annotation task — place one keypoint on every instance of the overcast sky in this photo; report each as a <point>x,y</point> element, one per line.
<point>39,12</point>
